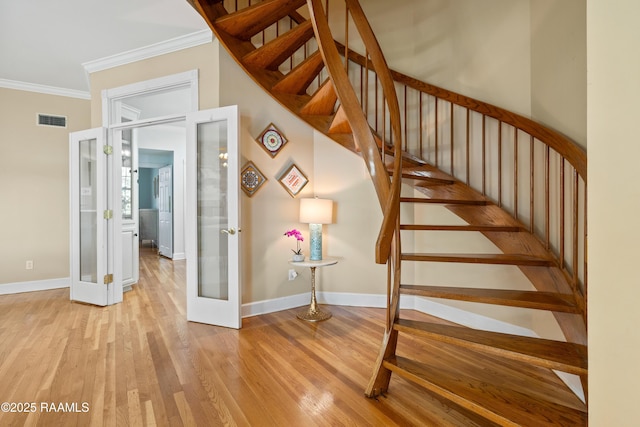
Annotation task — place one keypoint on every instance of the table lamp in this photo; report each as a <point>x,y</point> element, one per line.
<point>316,212</point>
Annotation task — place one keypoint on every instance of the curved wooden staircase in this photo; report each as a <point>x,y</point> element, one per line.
<point>519,184</point>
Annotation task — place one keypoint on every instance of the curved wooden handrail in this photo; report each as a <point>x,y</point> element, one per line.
<point>564,146</point>
<point>392,207</point>
<point>388,194</point>
<point>351,105</point>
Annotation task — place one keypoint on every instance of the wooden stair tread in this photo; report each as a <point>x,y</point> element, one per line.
<point>457,190</point>
<point>490,214</point>
<point>559,355</point>
<point>503,259</point>
<point>481,228</point>
<point>249,21</point>
<point>475,202</point>
<point>502,406</point>
<point>275,52</point>
<point>322,102</point>
<point>424,173</point>
<point>340,123</point>
<point>513,298</point>
<point>298,80</point>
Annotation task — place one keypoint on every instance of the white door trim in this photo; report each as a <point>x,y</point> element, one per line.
<point>112,109</point>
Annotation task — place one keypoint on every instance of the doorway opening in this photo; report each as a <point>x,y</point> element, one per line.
<point>148,120</point>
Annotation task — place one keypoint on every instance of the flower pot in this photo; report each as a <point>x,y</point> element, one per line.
<point>298,258</point>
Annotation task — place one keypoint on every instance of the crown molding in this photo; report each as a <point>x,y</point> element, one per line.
<point>172,45</point>
<point>47,90</point>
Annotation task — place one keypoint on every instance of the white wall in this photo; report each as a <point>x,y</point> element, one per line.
<point>333,172</point>
<point>34,185</point>
<point>478,48</point>
<point>614,202</point>
<point>559,66</point>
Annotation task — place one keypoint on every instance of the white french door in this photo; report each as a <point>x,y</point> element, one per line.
<point>213,217</point>
<point>90,263</point>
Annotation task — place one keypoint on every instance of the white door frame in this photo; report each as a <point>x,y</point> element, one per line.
<point>111,113</point>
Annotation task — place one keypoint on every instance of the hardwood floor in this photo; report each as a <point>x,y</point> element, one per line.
<point>141,363</point>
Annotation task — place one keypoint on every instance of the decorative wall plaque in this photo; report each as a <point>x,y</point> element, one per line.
<point>251,179</point>
<point>272,140</point>
<point>293,180</point>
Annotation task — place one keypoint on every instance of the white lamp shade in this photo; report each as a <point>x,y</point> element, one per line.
<point>316,211</point>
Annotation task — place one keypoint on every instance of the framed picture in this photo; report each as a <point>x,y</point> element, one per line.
<point>293,180</point>
<point>251,179</point>
<point>271,140</point>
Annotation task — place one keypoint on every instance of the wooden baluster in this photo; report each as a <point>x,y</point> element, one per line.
<point>532,190</point>
<point>406,126</point>
<point>515,173</point>
<point>562,200</point>
<point>389,323</point>
<point>420,123</point>
<point>585,246</point>
<point>376,104</point>
<point>384,123</point>
<point>437,127</point>
<point>451,134</point>
<point>547,195</point>
<point>468,147</point>
<point>346,38</point>
<point>500,163</point>
<point>484,155</point>
<point>366,83</point>
<point>575,230</point>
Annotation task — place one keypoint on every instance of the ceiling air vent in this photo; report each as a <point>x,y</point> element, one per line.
<point>49,120</point>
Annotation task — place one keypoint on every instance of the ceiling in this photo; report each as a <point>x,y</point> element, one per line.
<point>45,42</point>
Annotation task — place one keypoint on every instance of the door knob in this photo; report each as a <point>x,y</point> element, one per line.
<point>231,231</point>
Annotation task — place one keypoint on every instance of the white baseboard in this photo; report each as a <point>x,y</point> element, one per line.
<point>178,256</point>
<point>39,285</point>
<point>277,304</point>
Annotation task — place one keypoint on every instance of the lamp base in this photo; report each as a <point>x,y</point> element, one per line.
<point>315,242</point>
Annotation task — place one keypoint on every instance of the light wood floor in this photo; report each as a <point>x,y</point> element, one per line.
<point>141,363</point>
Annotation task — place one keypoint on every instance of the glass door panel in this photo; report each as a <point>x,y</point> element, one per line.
<point>213,241</point>
<point>87,160</point>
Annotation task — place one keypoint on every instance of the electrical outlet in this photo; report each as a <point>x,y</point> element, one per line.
<point>29,265</point>
<point>292,274</point>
